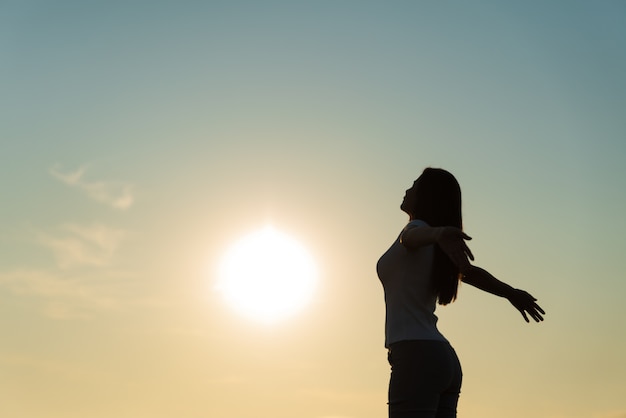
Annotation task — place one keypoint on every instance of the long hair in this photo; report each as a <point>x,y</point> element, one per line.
<point>438,203</point>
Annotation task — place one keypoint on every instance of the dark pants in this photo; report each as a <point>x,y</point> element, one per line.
<point>425,380</point>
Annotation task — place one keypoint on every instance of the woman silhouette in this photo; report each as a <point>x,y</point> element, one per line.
<point>422,267</point>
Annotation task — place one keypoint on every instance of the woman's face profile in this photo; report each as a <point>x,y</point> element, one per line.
<point>410,198</point>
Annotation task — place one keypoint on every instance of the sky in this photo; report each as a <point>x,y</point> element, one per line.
<point>139,140</point>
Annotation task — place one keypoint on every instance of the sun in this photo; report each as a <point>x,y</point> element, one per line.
<point>267,276</point>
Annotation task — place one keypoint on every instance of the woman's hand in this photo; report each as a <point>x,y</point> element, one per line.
<point>526,303</point>
<point>451,240</point>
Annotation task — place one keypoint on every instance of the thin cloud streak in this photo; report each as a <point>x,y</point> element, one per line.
<point>115,194</point>
<point>77,245</point>
<point>63,297</point>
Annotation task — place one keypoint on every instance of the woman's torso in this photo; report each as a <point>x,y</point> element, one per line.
<point>410,297</point>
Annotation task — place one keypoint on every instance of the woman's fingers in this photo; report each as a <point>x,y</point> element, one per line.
<point>524,315</point>
<point>525,303</point>
<point>467,251</point>
<point>537,307</point>
<point>453,243</point>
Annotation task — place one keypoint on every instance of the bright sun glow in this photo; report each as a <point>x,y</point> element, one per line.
<point>267,276</point>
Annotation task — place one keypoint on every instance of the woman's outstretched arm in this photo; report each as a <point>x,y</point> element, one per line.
<point>450,239</point>
<point>523,301</point>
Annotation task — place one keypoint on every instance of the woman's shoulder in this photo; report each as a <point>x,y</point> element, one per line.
<point>415,223</point>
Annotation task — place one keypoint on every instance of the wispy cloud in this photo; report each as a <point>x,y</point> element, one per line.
<point>63,297</point>
<point>115,194</point>
<point>75,245</point>
<point>86,280</point>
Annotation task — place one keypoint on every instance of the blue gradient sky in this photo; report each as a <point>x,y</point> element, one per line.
<point>139,139</point>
